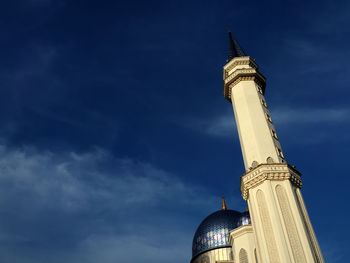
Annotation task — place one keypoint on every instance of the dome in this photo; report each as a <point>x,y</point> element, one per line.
<point>214,231</point>
<point>244,219</point>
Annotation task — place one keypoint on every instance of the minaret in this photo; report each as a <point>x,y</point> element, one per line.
<point>283,231</point>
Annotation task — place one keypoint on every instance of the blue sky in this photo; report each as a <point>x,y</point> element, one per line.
<point>116,140</point>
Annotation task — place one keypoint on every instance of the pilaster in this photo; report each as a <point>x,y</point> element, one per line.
<point>283,232</point>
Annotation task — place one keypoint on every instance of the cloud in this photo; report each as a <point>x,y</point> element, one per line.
<point>331,19</point>
<point>312,56</point>
<point>311,116</point>
<point>93,207</point>
<point>107,247</point>
<point>224,125</point>
<point>312,126</point>
<point>333,251</point>
<point>218,126</point>
<point>36,62</point>
<point>293,123</point>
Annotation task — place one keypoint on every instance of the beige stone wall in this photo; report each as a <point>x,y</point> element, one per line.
<point>308,227</point>
<point>283,233</point>
<point>258,137</point>
<point>282,228</point>
<point>243,244</point>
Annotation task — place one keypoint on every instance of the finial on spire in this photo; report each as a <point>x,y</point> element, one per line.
<point>223,203</point>
<point>234,48</point>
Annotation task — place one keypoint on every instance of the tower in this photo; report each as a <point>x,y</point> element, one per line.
<point>281,225</point>
<point>276,228</point>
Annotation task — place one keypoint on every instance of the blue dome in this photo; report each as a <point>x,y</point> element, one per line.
<point>214,231</point>
<point>244,219</point>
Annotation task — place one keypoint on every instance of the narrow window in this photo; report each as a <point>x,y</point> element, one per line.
<point>259,89</point>
<point>280,153</point>
<point>274,134</point>
<point>268,117</point>
<point>263,102</point>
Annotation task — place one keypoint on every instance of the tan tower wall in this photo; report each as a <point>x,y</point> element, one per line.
<point>257,134</point>
<point>282,229</point>
<point>243,244</point>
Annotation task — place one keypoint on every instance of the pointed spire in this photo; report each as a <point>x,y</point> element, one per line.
<point>234,48</point>
<point>223,203</point>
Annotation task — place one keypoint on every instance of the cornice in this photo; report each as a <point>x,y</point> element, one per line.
<point>240,61</point>
<point>243,75</point>
<point>272,172</point>
<point>240,231</point>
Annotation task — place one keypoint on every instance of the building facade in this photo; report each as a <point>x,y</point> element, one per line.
<point>277,228</point>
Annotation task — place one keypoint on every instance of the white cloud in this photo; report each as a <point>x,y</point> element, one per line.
<point>75,178</point>
<point>294,122</point>
<point>101,208</point>
<point>220,126</point>
<point>311,115</point>
<point>224,125</point>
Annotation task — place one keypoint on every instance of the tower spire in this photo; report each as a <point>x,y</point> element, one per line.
<point>223,203</point>
<point>234,49</point>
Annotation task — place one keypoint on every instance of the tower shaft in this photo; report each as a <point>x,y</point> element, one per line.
<point>283,231</point>
<point>244,86</point>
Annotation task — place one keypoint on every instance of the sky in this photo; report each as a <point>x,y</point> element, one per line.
<point>116,140</point>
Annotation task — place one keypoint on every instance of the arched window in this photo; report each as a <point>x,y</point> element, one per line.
<point>269,160</point>
<point>255,164</point>
<point>243,256</point>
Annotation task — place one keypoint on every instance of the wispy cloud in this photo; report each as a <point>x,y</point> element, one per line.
<point>99,208</point>
<point>219,126</point>
<point>331,20</point>
<point>315,57</point>
<point>35,63</point>
<point>224,125</point>
<point>293,121</point>
<point>111,248</point>
<point>311,115</point>
<point>333,251</point>
<point>312,125</point>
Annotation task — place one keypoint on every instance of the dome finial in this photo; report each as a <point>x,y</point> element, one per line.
<point>223,203</point>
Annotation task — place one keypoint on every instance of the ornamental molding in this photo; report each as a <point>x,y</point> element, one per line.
<point>243,71</point>
<point>242,230</point>
<point>243,75</point>
<point>272,172</point>
<point>240,61</point>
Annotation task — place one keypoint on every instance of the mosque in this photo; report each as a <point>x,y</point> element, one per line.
<point>276,227</point>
